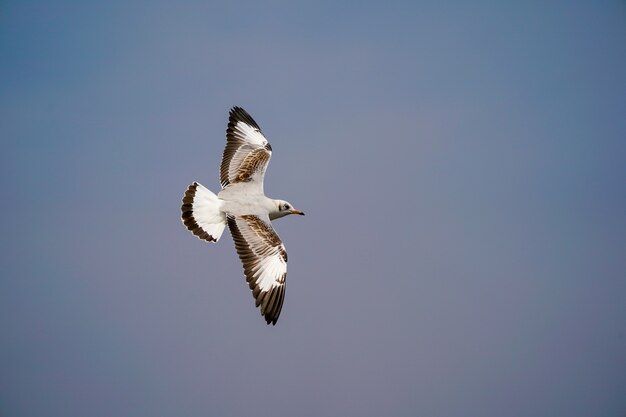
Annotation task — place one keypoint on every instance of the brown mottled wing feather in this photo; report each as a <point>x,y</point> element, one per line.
<point>247,152</point>
<point>264,262</point>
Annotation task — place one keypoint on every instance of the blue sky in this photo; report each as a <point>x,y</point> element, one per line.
<point>461,166</point>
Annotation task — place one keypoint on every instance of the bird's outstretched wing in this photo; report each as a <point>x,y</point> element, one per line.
<point>264,262</point>
<point>247,152</point>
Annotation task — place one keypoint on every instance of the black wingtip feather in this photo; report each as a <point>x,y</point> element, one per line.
<point>238,114</point>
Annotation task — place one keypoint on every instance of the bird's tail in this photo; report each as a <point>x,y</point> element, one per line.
<point>202,214</point>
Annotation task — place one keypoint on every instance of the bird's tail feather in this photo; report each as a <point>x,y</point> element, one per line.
<point>202,214</point>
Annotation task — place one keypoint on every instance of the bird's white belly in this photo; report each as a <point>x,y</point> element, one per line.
<point>238,202</point>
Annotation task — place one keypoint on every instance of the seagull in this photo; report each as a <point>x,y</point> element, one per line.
<point>243,205</point>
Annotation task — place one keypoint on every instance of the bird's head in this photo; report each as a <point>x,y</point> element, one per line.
<point>283,208</point>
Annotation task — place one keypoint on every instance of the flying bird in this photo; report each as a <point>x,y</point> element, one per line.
<point>243,205</point>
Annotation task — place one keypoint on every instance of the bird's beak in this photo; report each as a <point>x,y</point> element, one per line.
<point>297,212</point>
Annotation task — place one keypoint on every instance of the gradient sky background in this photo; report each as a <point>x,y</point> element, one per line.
<point>462,166</point>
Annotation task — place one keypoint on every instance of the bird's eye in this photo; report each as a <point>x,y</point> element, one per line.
<point>286,207</point>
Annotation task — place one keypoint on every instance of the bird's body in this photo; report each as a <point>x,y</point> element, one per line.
<point>243,205</point>
<point>253,203</point>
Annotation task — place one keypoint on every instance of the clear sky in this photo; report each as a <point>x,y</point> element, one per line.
<point>463,170</point>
